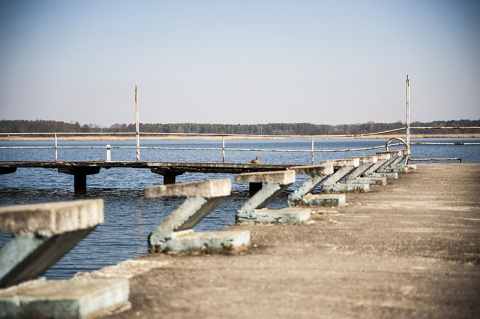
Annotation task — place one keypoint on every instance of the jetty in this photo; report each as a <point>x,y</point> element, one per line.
<point>169,170</point>
<point>360,237</point>
<point>408,249</point>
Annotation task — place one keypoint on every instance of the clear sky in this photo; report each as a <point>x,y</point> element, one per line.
<point>239,62</point>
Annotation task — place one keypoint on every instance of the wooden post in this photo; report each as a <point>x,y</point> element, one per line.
<point>407,133</point>
<point>137,127</point>
<point>313,151</point>
<point>56,149</point>
<point>223,149</point>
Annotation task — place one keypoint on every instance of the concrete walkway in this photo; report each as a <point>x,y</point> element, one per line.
<point>410,249</point>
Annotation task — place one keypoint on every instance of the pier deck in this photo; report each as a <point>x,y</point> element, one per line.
<point>169,170</point>
<point>409,249</point>
<point>181,167</point>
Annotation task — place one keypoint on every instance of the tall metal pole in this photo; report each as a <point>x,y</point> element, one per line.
<point>407,132</point>
<point>137,126</point>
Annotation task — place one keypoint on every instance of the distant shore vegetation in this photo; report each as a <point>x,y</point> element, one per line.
<point>45,126</point>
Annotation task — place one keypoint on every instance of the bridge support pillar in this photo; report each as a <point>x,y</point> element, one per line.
<point>254,187</point>
<point>168,175</point>
<point>7,170</point>
<point>79,175</point>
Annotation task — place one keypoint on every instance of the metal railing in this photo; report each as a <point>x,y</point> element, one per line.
<point>223,138</point>
<point>223,149</point>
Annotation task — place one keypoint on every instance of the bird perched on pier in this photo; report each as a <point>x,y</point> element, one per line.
<point>254,161</point>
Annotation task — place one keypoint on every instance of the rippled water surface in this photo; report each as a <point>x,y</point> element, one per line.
<point>129,217</point>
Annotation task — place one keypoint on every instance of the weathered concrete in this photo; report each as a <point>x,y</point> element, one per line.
<point>282,177</point>
<point>395,158</point>
<point>323,169</point>
<point>346,188</point>
<point>253,211</point>
<point>369,180</point>
<point>327,200</point>
<point>303,195</point>
<point>385,175</point>
<point>343,168</point>
<point>208,189</point>
<point>365,163</point>
<point>44,233</point>
<point>382,158</point>
<point>318,174</point>
<point>289,215</point>
<point>221,241</point>
<point>409,249</point>
<point>175,234</point>
<point>51,218</point>
<point>69,299</point>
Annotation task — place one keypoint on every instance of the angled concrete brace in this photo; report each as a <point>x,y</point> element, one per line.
<point>373,176</point>
<point>43,233</point>
<point>395,156</point>
<point>399,158</point>
<point>318,174</point>
<point>175,234</point>
<point>366,163</point>
<point>342,167</point>
<point>394,166</point>
<point>345,171</point>
<point>382,158</point>
<point>255,209</point>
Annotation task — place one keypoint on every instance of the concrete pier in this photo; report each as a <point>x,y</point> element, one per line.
<point>408,249</point>
<point>42,234</point>
<point>175,234</point>
<point>255,209</point>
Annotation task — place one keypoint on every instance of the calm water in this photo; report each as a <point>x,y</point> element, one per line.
<point>129,217</point>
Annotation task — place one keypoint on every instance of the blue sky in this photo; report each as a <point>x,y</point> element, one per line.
<point>239,62</point>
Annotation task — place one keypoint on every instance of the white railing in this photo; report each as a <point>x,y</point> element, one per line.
<point>223,137</point>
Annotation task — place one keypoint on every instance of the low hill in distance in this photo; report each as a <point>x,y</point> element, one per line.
<point>43,126</point>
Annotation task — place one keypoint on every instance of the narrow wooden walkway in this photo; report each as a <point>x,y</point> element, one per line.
<point>234,168</point>
<point>409,249</point>
<point>169,170</point>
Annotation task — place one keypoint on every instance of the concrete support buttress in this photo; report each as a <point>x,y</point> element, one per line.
<point>255,209</point>
<point>176,233</point>
<point>28,256</point>
<point>42,234</point>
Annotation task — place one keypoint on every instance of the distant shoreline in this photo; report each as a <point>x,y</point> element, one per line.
<point>219,137</point>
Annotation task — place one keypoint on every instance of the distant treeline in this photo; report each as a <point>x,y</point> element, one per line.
<point>42,126</point>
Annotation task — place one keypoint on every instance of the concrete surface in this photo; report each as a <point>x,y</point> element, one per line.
<point>175,234</point>
<point>207,189</point>
<point>66,299</point>
<point>220,241</point>
<point>51,218</point>
<point>44,233</point>
<point>281,177</point>
<point>409,249</point>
